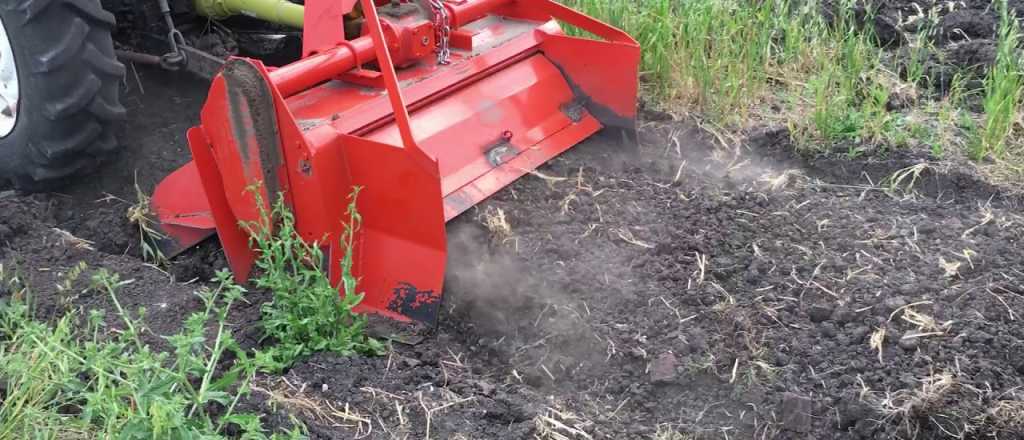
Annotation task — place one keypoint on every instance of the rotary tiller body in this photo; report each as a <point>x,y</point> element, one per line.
<point>425,140</point>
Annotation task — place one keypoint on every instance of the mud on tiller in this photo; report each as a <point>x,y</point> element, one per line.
<point>438,105</point>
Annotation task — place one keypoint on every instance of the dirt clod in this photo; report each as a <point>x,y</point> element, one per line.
<point>965,25</point>
<point>663,369</point>
<point>796,412</point>
<point>819,313</point>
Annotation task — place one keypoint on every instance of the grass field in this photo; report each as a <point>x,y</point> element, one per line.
<point>739,63</point>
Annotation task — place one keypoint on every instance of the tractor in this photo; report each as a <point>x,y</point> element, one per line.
<point>428,106</point>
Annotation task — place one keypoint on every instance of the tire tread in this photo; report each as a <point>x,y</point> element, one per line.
<point>79,105</point>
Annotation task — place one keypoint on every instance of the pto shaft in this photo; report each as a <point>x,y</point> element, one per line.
<point>308,72</point>
<point>281,12</point>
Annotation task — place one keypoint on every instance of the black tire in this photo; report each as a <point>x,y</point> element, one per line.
<point>69,84</point>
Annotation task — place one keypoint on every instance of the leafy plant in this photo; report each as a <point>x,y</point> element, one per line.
<point>306,314</point>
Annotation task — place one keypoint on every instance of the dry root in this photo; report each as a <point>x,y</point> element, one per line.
<point>1007,415</point>
<point>68,239</point>
<point>295,400</point>
<point>141,214</point>
<point>907,407</point>
<point>495,221</point>
<point>560,425</point>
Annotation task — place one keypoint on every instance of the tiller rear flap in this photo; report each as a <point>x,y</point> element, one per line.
<point>484,92</point>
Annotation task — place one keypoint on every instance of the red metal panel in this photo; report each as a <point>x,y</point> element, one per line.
<point>323,24</point>
<point>234,240</point>
<point>523,100</point>
<point>173,209</point>
<point>490,182</point>
<point>606,73</point>
<point>500,109</point>
<point>401,247</point>
<point>402,250</point>
<point>229,129</point>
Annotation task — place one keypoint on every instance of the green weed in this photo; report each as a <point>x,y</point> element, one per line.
<point>307,314</point>
<point>77,378</point>
<point>915,69</point>
<point>66,286</point>
<point>849,95</point>
<point>949,119</point>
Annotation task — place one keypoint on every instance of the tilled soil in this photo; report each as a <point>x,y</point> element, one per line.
<point>678,290</point>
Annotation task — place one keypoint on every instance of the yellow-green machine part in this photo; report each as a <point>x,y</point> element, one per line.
<point>281,12</point>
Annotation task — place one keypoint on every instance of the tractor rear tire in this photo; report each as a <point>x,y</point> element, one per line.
<point>67,108</point>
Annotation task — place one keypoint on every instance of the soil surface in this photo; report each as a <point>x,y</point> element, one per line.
<point>960,36</point>
<point>679,289</point>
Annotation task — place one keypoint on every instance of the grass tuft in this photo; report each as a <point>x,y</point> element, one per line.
<point>141,214</point>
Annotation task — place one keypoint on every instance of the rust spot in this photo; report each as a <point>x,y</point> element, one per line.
<point>574,110</point>
<point>418,305</point>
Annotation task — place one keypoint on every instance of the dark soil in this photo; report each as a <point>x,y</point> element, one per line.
<point>676,291</point>
<point>959,37</point>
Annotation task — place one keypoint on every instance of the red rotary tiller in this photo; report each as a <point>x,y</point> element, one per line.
<point>438,105</point>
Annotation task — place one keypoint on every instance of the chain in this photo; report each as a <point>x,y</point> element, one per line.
<point>176,58</point>
<point>443,29</point>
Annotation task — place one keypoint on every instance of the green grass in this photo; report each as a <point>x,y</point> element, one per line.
<point>307,314</point>
<point>77,378</point>
<point>1003,91</point>
<point>711,54</point>
<point>726,58</point>
<point>739,63</point>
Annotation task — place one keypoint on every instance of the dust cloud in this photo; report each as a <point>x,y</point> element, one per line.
<point>537,329</point>
<point>493,288</point>
<point>689,155</point>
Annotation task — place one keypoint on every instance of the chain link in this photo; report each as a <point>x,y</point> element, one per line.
<point>443,30</point>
